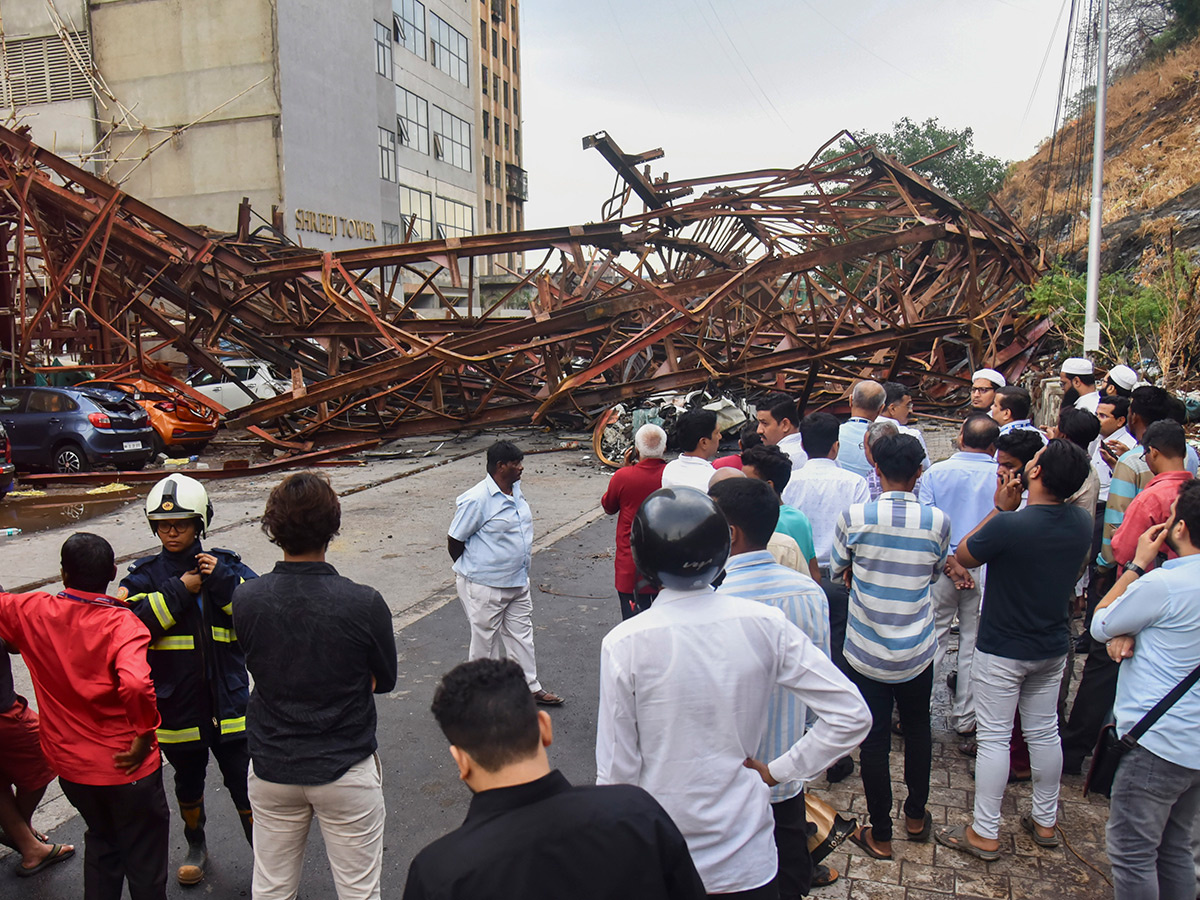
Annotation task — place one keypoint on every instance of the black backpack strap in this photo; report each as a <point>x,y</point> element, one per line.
<point>1160,708</point>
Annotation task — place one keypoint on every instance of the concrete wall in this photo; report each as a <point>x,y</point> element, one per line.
<point>66,127</point>
<point>174,62</point>
<point>331,100</point>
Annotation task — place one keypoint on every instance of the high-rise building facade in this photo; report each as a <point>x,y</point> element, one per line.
<point>362,121</point>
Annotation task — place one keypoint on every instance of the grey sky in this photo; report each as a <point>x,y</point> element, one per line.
<point>727,85</point>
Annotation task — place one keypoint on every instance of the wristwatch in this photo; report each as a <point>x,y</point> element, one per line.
<point>1135,569</point>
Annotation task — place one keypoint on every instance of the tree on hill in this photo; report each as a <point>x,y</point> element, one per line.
<point>963,172</point>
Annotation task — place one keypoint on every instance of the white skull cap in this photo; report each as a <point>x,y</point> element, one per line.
<point>991,375</point>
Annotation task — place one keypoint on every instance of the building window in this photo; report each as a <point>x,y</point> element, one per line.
<point>497,181</point>
<point>451,139</point>
<point>383,50</point>
<point>507,143</point>
<point>484,83</point>
<point>416,214</point>
<point>454,219</point>
<point>487,212</point>
<point>495,85</point>
<point>486,120</point>
<point>517,142</point>
<point>408,25</point>
<point>495,42</point>
<point>516,108</point>
<point>510,228</point>
<point>504,50</point>
<point>449,48</point>
<point>496,131</point>
<point>520,219</point>
<point>487,163</point>
<point>412,120</point>
<point>506,95</point>
<point>387,155</point>
<point>42,70</point>
<point>482,33</point>
<point>514,58</point>
<point>513,20</point>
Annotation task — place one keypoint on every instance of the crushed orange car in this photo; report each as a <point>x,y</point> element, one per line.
<point>177,419</point>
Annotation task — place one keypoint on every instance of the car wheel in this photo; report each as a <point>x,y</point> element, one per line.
<point>69,458</point>
<point>157,445</point>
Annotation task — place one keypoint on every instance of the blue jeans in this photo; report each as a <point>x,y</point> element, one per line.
<point>1151,815</point>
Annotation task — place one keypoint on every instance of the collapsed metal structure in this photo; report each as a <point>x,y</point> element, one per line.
<point>801,280</point>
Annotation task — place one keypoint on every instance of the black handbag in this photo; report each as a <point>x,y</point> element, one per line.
<point>1110,748</point>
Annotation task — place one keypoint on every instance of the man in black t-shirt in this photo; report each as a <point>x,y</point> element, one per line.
<point>1033,558</point>
<point>529,833</point>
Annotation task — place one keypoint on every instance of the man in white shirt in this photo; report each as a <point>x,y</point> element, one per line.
<point>866,403</point>
<point>1113,413</point>
<point>983,389</point>
<point>1078,379</point>
<point>778,423</point>
<point>963,487</point>
<point>1119,382</point>
<point>823,491</point>
<point>705,664</point>
<point>699,436</point>
<point>1011,408</point>
<point>897,408</point>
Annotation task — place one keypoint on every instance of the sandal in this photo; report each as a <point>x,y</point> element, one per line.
<point>58,852</point>
<point>1028,824</point>
<point>824,875</point>
<point>545,698</point>
<point>921,836</point>
<point>956,839</point>
<point>859,839</point>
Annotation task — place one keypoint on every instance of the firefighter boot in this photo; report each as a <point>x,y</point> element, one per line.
<point>191,870</point>
<point>247,818</point>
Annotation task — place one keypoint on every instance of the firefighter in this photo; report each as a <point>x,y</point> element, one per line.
<point>184,595</point>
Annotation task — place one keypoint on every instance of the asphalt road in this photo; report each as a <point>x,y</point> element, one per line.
<point>574,607</point>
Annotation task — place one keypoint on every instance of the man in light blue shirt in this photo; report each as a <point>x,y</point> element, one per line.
<point>963,487</point>
<point>1151,625</point>
<point>866,402</point>
<point>751,507</point>
<point>491,543</point>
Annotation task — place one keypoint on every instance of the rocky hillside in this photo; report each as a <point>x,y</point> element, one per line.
<point>1152,171</point>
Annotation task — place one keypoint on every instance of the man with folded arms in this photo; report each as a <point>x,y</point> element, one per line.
<point>1150,622</point>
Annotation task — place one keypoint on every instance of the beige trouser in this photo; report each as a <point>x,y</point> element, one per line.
<point>501,624</point>
<point>351,814</point>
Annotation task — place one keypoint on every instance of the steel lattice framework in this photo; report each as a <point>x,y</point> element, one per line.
<point>801,279</point>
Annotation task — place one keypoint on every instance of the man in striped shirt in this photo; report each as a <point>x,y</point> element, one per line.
<point>752,508</point>
<point>894,549</point>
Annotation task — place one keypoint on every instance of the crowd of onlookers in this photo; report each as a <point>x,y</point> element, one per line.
<point>781,607</point>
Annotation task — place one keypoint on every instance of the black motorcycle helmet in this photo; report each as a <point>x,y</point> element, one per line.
<point>680,539</point>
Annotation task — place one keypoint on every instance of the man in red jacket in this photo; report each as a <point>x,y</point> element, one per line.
<point>626,490</point>
<point>86,653</point>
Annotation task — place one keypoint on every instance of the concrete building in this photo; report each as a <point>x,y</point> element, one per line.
<point>362,121</point>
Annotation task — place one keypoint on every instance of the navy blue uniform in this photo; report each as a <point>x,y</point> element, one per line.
<point>198,667</point>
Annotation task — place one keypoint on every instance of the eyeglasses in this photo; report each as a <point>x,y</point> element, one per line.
<point>976,390</point>
<point>175,527</point>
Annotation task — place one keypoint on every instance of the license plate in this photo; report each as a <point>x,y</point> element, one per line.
<point>133,445</point>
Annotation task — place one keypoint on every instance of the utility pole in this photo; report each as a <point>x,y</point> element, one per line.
<point>1091,324</point>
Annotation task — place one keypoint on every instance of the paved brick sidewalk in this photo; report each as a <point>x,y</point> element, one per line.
<point>930,871</point>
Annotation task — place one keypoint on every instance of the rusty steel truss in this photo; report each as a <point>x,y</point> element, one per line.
<point>801,280</point>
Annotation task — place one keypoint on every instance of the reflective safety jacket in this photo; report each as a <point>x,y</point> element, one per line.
<point>197,664</point>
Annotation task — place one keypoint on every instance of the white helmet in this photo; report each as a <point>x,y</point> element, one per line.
<point>179,497</point>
